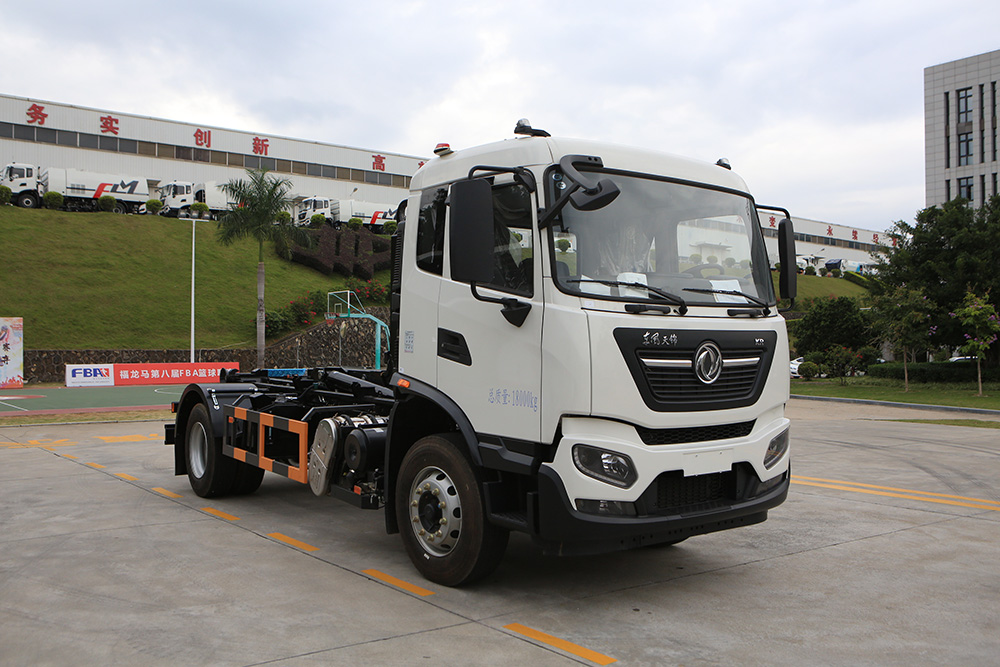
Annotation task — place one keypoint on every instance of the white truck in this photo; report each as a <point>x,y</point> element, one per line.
<point>618,396</point>
<point>81,190</point>
<point>178,196</point>
<point>339,211</point>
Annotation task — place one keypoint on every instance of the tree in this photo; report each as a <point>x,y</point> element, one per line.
<point>902,317</point>
<point>950,250</point>
<point>258,199</point>
<point>979,320</point>
<point>831,322</point>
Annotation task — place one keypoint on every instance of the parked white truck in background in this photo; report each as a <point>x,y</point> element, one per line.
<point>81,190</point>
<point>178,196</point>
<point>621,395</point>
<point>339,211</point>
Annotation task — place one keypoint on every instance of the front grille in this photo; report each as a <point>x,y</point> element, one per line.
<point>676,493</point>
<point>670,375</point>
<point>674,436</point>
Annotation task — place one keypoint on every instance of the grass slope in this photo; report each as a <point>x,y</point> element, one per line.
<point>105,281</point>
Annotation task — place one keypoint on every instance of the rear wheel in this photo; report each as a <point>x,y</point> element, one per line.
<point>439,497</point>
<point>209,471</point>
<point>120,208</point>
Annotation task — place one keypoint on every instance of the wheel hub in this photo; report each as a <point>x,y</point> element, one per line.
<point>435,511</point>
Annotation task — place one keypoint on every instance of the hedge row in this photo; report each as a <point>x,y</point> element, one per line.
<point>949,371</point>
<point>345,251</point>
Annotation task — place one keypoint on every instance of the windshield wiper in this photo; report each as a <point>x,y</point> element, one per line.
<point>732,292</point>
<point>672,298</point>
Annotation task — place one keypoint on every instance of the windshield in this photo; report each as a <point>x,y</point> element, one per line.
<point>671,237</point>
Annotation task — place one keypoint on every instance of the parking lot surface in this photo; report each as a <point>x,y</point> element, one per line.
<point>884,553</point>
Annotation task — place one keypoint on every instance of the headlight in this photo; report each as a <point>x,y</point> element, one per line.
<point>776,448</point>
<point>610,467</point>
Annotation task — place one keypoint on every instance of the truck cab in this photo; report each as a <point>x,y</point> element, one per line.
<point>177,196</point>
<point>603,319</point>
<point>22,179</point>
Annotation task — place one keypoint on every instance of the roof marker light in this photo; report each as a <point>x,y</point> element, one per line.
<point>443,149</point>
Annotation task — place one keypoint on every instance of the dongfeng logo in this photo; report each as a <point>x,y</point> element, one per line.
<point>708,362</point>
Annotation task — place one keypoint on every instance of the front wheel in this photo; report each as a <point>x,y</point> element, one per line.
<point>27,200</point>
<point>439,497</point>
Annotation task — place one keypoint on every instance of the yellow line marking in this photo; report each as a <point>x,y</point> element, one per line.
<point>126,438</point>
<point>892,488</point>
<point>126,476</point>
<point>95,465</point>
<point>560,644</point>
<point>168,494</point>
<point>220,514</point>
<point>905,496</point>
<point>292,542</point>
<point>398,583</point>
<point>69,456</point>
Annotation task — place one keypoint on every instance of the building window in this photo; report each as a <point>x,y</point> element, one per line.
<point>965,149</point>
<point>107,143</point>
<point>128,146</point>
<point>24,132</point>
<point>45,135</point>
<point>66,138</point>
<point>965,188</point>
<point>147,148</point>
<point>182,152</point>
<point>88,140</point>
<point>6,130</point>
<point>965,106</point>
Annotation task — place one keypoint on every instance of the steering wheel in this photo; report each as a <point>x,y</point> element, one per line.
<point>697,271</point>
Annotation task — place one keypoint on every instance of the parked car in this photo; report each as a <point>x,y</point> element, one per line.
<point>793,366</point>
<point>962,359</point>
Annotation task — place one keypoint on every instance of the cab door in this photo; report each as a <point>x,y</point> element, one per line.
<point>490,329</point>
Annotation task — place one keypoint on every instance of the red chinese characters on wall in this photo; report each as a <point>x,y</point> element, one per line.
<point>854,234</point>
<point>772,221</point>
<point>875,238</point>
<point>109,125</point>
<point>378,162</point>
<point>829,230</point>
<point>259,146</point>
<point>203,138</point>
<point>36,114</point>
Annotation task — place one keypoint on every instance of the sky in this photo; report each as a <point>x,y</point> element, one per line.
<point>817,104</point>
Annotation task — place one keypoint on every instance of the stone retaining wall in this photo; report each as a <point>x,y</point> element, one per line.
<point>341,342</point>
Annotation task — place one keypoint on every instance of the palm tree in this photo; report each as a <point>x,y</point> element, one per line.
<point>255,203</point>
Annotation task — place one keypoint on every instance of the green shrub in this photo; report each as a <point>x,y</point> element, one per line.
<point>857,279</point>
<point>369,291</point>
<point>5,195</point>
<point>808,370</point>
<point>824,271</point>
<point>284,217</point>
<point>153,206</point>
<point>563,245</point>
<point>317,220</point>
<point>52,200</point>
<point>836,273</point>
<point>810,270</point>
<point>949,371</point>
<point>354,223</point>
<point>695,258</point>
<point>389,228</point>
<point>106,203</point>
<point>818,358</point>
<point>712,259</point>
<point>199,207</point>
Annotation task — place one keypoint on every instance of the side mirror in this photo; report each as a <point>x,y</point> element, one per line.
<point>787,279</point>
<point>471,233</point>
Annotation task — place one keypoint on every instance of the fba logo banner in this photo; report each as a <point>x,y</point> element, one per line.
<point>90,375</point>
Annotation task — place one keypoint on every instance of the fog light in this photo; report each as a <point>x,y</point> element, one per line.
<point>606,507</point>
<point>609,467</point>
<point>776,449</point>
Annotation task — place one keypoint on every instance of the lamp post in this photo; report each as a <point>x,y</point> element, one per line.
<point>192,289</point>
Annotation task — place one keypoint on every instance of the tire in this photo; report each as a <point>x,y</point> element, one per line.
<point>27,200</point>
<point>210,472</point>
<point>247,480</point>
<point>121,208</point>
<point>433,473</point>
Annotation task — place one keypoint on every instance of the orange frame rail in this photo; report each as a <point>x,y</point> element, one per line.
<point>265,421</point>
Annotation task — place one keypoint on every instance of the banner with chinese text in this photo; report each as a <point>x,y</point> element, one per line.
<point>11,353</point>
<point>127,374</point>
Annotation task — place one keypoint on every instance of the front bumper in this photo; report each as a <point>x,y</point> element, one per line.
<point>562,529</point>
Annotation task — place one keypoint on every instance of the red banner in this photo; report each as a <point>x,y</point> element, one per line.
<point>125,374</point>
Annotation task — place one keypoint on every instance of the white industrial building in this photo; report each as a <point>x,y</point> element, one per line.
<point>50,134</point>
